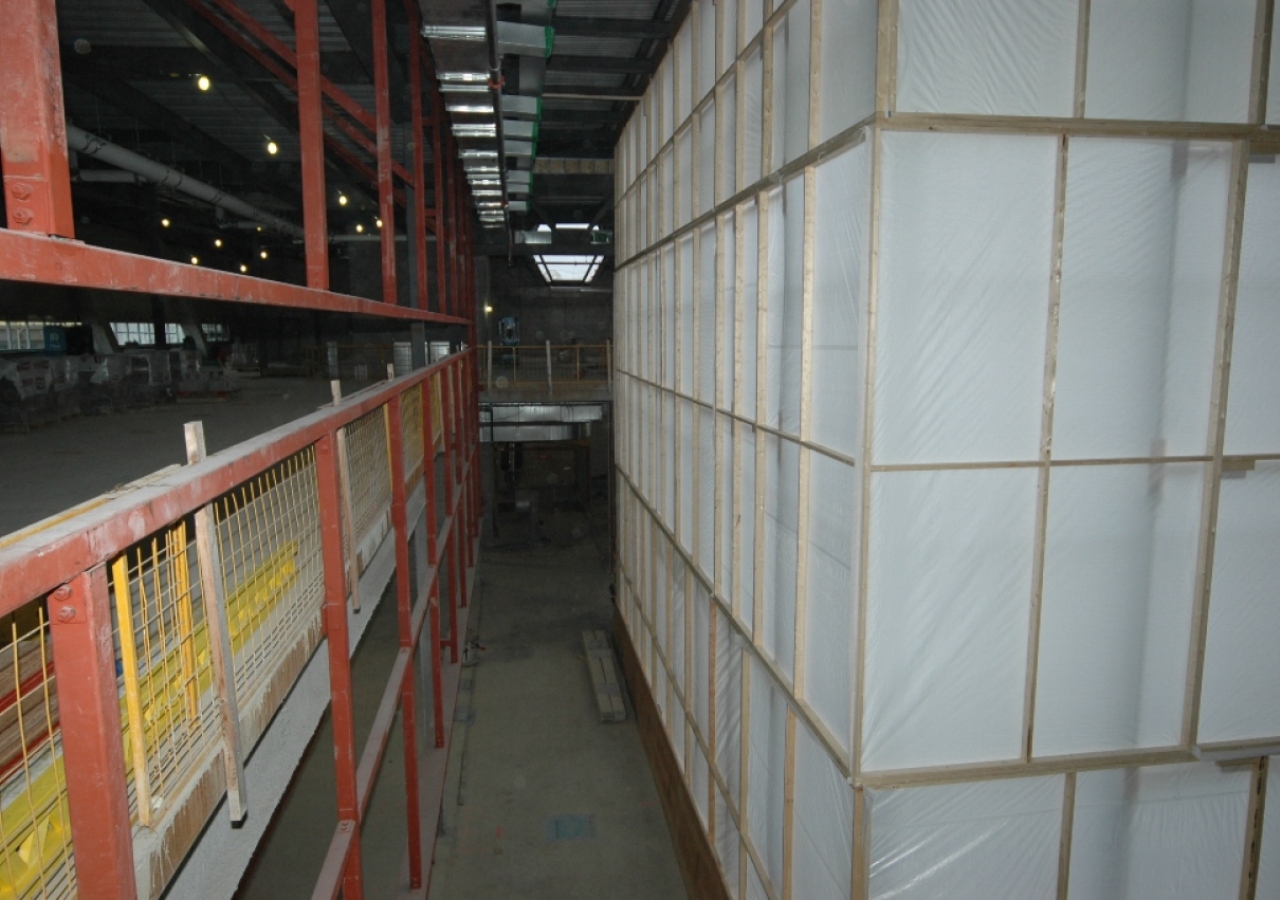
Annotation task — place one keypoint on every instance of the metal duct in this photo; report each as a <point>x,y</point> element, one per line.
<point>103,150</point>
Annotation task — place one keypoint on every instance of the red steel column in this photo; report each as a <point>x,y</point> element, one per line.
<point>404,617</point>
<point>438,150</point>
<point>335,624</point>
<point>306,26</point>
<point>33,134</point>
<point>382,111</point>
<point>432,531</point>
<point>437,664</point>
<point>429,470</point>
<point>419,152</point>
<point>93,755</point>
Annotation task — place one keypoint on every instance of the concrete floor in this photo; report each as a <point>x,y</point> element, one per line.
<point>60,464</point>
<point>551,803</point>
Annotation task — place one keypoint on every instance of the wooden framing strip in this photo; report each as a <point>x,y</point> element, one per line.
<point>1046,450</point>
<point>1253,828</point>
<point>1082,58</point>
<point>1065,835</point>
<point>219,635</point>
<point>1217,436</point>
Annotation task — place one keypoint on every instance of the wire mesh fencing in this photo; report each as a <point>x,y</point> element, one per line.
<point>35,825</point>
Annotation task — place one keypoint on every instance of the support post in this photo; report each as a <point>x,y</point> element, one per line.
<point>551,391</point>
<point>306,24</point>
<point>404,619</point>
<point>489,367</point>
<point>219,632</point>
<point>386,186</point>
<point>92,747</point>
<point>438,212</point>
<point>33,132</point>
<point>419,154</point>
<point>348,516</point>
<point>336,631</point>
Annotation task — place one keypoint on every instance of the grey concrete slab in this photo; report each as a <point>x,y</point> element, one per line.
<point>555,804</point>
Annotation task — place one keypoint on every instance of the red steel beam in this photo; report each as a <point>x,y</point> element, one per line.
<point>92,748</point>
<point>281,49</point>
<point>408,634</point>
<point>419,154</point>
<point>341,701</point>
<point>32,258</point>
<point>440,214</point>
<point>306,23</point>
<point>33,134</point>
<point>382,113</point>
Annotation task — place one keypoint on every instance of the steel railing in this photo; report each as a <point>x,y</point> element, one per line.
<point>148,641</point>
<point>546,367</point>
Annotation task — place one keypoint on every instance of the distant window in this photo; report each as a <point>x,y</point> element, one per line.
<point>21,335</point>
<point>216,331</point>
<point>579,269</point>
<point>173,333</point>
<point>141,333</point>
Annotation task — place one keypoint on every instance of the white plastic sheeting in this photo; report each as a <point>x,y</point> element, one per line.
<point>1005,57</point>
<point>1252,423</point>
<point>1036,499</point>
<point>1173,832</point>
<point>947,614</point>
<point>966,228</point>
<point>823,830</point>
<point>967,841</point>
<point>1269,857</point>
<point>1242,666</point>
<point>1119,580</point>
<point>1180,60</point>
<point>1141,273</point>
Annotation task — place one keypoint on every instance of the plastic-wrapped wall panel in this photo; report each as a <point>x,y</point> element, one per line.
<point>1242,667</point>
<point>753,114</point>
<point>791,84</point>
<point>781,536</point>
<point>706,335</point>
<point>766,770</point>
<point>1180,60</point>
<point>706,487</point>
<point>752,20</point>
<point>831,561</point>
<point>749,304</point>
<point>840,280</point>
<point>706,159</point>
<point>822,838</point>
<point>967,841</point>
<point>966,225</point>
<point>848,63</point>
<point>699,785</point>
<point>725,521</point>
<point>1173,832</point>
<point>700,685</point>
<point>995,57</point>
<point>687,337</point>
<point>684,177</point>
<point>728,844</point>
<point>1269,856</point>
<point>728,686</point>
<point>726,184</point>
<point>726,281</point>
<point>785,307</point>
<point>1273,92</point>
<point>1141,277</point>
<point>745,506</point>
<point>706,12</point>
<point>949,586</point>
<point>1120,567</point>
<point>1252,423</point>
<point>727,23</point>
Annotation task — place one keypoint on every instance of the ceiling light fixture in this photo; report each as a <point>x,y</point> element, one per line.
<point>272,147</point>
<point>195,260</point>
<point>203,82</point>
<point>243,267</point>
<point>342,199</point>
<point>164,223</point>
<point>476,108</point>
<point>217,242</point>
<point>263,254</point>
<point>377,222</point>
<point>454,32</point>
<point>359,228</point>
<point>462,77</point>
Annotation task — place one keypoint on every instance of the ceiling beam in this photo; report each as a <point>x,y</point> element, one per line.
<point>598,65</point>
<point>597,26</point>
<point>167,63</point>
<point>356,23</point>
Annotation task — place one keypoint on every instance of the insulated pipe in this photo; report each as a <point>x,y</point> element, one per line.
<point>100,149</point>
<point>495,87</point>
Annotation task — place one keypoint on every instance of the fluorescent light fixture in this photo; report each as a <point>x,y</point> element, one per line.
<point>477,154</point>
<point>463,77</point>
<point>454,32</point>
<point>478,109</point>
<point>464,88</point>
<point>572,226</point>
<point>475,131</point>
<point>489,204</point>
<point>485,181</point>
<point>486,192</point>
<point>545,227</point>
<point>489,171</point>
<point>568,268</point>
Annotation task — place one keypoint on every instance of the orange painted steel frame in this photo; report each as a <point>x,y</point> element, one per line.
<point>68,562</point>
<point>37,179</point>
